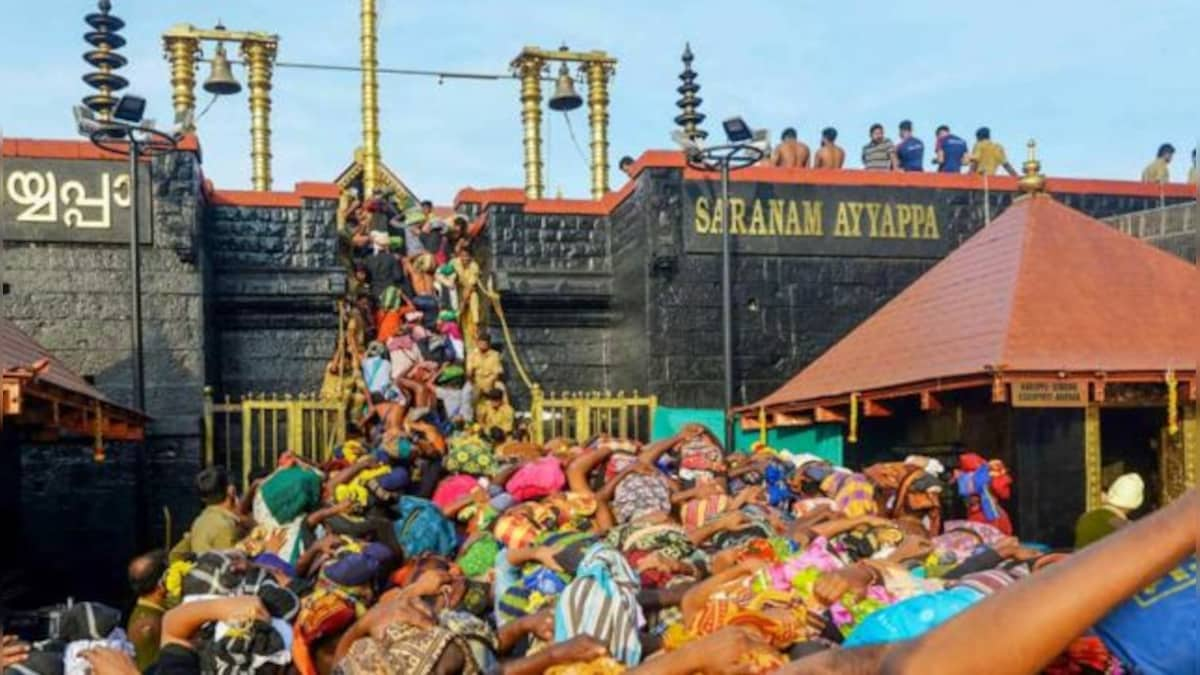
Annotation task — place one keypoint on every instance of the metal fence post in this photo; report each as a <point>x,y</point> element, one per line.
<point>583,422</point>
<point>536,401</point>
<point>247,446</point>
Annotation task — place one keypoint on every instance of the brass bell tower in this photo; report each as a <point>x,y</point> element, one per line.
<point>598,68</point>
<point>182,46</point>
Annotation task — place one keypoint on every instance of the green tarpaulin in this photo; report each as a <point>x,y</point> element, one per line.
<point>822,440</point>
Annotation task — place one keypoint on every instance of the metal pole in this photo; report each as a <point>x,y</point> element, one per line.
<point>727,301</point>
<point>135,271</point>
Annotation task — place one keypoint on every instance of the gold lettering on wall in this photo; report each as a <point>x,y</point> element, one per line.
<point>806,218</point>
<point>776,224</point>
<point>758,224</point>
<point>737,216</point>
<point>41,195</point>
<point>702,223</point>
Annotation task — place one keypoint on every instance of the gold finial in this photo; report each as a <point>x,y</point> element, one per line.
<point>1033,182</point>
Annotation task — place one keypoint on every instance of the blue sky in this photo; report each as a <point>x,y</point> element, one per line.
<point>1099,85</point>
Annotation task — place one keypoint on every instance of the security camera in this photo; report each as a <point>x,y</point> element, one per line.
<point>690,146</point>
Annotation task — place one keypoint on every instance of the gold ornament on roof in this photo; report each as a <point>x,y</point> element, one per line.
<point>1033,182</point>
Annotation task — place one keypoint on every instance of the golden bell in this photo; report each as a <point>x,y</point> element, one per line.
<point>221,80</point>
<point>565,97</point>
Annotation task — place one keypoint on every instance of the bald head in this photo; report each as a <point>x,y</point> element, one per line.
<point>146,572</point>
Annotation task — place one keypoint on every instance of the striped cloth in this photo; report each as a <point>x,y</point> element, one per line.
<point>697,512</point>
<point>602,602</point>
<point>878,155</point>
<point>991,581</point>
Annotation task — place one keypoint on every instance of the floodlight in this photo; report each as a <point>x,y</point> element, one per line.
<point>736,130</point>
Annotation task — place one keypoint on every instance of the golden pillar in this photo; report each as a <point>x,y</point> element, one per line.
<point>1191,437</point>
<point>370,99</point>
<point>597,81</point>
<point>181,53</point>
<point>529,69</point>
<point>1092,461</point>
<point>259,57</point>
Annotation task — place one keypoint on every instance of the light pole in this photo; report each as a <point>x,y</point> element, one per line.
<point>737,154</point>
<point>115,125</point>
<point>744,149</point>
<point>135,142</point>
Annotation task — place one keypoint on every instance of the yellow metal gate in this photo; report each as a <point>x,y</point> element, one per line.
<point>579,416</point>
<point>248,436</point>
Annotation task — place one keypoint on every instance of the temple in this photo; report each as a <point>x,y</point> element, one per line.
<point>907,303</point>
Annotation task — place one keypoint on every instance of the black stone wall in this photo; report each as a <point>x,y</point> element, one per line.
<point>78,520</point>
<point>241,298</point>
<point>554,274</point>
<point>276,279</point>
<point>1170,228</point>
<point>619,302</point>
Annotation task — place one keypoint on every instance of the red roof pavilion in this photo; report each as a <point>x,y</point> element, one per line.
<point>40,393</point>
<point>1044,290</point>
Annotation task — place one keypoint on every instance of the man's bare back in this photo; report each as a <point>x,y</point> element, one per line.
<point>791,154</point>
<point>830,156</point>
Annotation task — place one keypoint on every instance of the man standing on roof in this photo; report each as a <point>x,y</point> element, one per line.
<point>1157,171</point>
<point>910,151</point>
<point>988,156</point>
<point>830,155</point>
<point>880,153</point>
<point>949,151</point>
<point>791,153</point>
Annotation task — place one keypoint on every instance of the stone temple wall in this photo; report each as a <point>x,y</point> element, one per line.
<point>276,279</point>
<point>236,295</point>
<point>1170,228</point>
<point>647,315</point>
<point>74,515</point>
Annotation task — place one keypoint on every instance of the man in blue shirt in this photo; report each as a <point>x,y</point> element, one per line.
<point>910,151</point>
<point>950,150</point>
<point>1155,630</point>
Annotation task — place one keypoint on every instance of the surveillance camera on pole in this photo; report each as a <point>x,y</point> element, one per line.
<point>690,146</point>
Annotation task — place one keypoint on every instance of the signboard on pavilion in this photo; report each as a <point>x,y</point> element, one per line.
<point>1049,394</point>
<point>70,200</point>
<point>808,219</point>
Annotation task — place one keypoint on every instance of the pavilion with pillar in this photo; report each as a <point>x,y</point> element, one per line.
<point>1049,340</point>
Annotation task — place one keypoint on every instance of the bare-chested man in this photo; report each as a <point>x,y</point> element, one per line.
<point>791,153</point>
<point>830,155</point>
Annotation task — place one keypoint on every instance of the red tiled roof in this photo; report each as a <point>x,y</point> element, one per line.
<point>18,350</point>
<point>1044,288</point>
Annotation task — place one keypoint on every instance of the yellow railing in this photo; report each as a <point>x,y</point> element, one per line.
<point>269,426</point>
<point>578,416</point>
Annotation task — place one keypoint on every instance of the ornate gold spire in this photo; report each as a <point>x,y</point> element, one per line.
<point>1033,182</point>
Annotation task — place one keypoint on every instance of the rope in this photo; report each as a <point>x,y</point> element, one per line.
<point>494,298</point>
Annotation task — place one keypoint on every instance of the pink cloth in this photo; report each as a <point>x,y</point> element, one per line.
<point>817,556</point>
<point>536,480</point>
<point>451,329</point>
<point>453,488</point>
